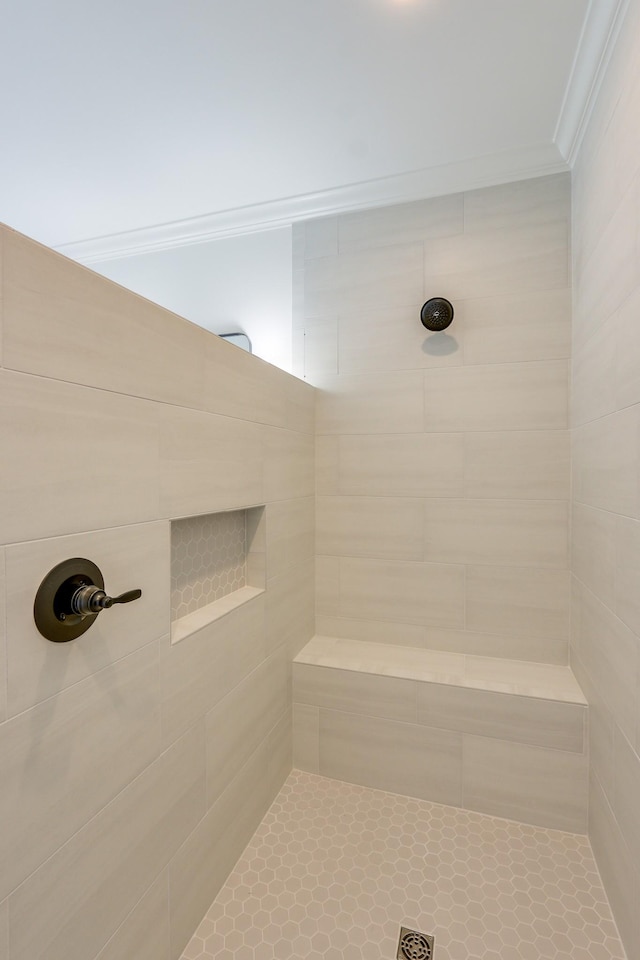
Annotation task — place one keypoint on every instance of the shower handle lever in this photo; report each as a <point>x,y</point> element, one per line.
<point>89,598</point>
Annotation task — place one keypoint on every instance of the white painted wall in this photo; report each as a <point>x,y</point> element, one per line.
<point>236,284</point>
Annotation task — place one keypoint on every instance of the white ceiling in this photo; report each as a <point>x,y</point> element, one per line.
<point>126,114</point>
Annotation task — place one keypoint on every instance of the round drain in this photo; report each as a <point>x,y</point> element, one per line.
<point>415,946</point>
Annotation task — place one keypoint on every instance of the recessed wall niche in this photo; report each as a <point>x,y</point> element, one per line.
<point>217,563</point>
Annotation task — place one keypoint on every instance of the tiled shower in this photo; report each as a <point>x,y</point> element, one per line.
<point>431,529</point>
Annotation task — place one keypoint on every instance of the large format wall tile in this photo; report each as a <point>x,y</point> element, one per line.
<point>135,556</point>
<point>4,930</point>
<point>403,758</point>
<point>391,276</point>
<point>208,463</point>
<point>200,670</point>
<point>65,322</point>
<point>208,854</point>
<point>68,448</point>
<point>145,932</point>
<point>535,201</point>
<point>518,601</point>
<point>402,223</point>
<point>3,640</point>
<point>290,533</point>
<point>394,339</point>
<point>92,740</point>
<point>524,465</point>
<point>109,864</point>
<point>369,527</point>
<point>506,396</point>
<point>241,720</point>
<point>531,257</point>
<point>353,692</point>
<point>523,782</point>
<point>519,532</point>
<point>522,327</point>
<point>371,403</point>
<point>427,593</point>
<point>401,465</point>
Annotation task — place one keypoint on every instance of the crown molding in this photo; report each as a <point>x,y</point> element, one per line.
<point>469,174</point>
<point>600,32</point>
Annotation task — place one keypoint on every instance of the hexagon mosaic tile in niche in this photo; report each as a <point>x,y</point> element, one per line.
<point>208,560</point>
<point>335,870</point>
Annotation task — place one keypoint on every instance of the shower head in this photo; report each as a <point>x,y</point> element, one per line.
<point>436,314</point>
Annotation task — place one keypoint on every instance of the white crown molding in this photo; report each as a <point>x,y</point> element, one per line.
<point>520,164</point>
<point>600,32</point>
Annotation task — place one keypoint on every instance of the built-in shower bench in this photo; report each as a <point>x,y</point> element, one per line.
<point>504,737</point>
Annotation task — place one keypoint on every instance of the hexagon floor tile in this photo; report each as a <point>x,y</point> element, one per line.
<point>335,869</point>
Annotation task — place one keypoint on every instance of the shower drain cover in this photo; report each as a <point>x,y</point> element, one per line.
<point>414,945</point>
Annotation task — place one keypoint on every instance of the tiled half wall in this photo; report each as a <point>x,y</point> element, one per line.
<point>134,771</point>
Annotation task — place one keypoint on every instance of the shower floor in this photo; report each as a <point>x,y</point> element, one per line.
<point>334,870</point>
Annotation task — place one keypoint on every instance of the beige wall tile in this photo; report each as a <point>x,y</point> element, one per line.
<point>527,465</point>
<point>606,458</point>
<point>207,856</point>
<point>320,348</point>
<point>320,238</point>
<point>208,463</point>
<point>290,532</point>
<point>371,403</point>
<point>512,601</point>
<point>369,278</point>
<point>279,747</point>
<point>533,257</point>
<point>238,386</point>
<point>289,607</point>
<point>545,723</point>
<point>426,593</point>
<point>520,532</point>
<point>109,864</point>
<point>327,586</point>
<point>306,737</point>
<point>491,645</point>
<point>610,653</point>
<point>626,792</point>
<point>129,557</point>
<point>620,874</point>
<point>627,374</point>
<point>528,783</point>
<point>593,388</point>
<point>236,726</point>
<point>507,396</point>
<point>353,692</point>
<point>3,640</point>
<point>327,465</point>
<point>375,631</point>
<point>288,464</point>
<point>4,930</point>
<point>593,550</point>
<point>200,670</point>
<point>48,299</point>
<point>46,422</point>
<point>524,202</point>
<point>601,726</point>
<point>404,758</point>
<point>394,339</point>
<point>409,465</point>
<point>300,406</point>
<point>508,329</point>
<point>626,602</point>
<point>145,933</point>
<point>74,753</point>
<point>402,223</point>
<point>378,527</point>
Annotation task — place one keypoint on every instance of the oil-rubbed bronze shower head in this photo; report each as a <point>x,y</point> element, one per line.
<point>436,314</point>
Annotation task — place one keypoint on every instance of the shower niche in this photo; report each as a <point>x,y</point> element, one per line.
<point>217,564</point>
